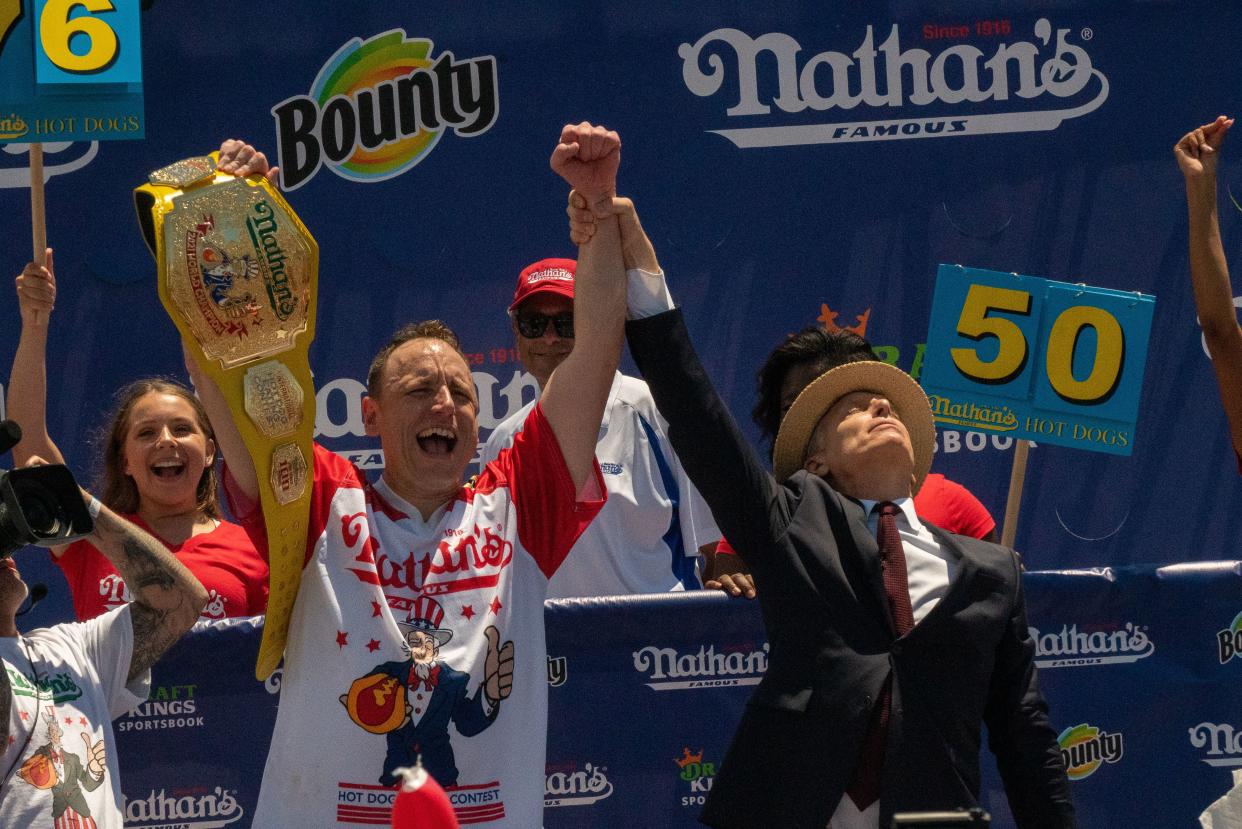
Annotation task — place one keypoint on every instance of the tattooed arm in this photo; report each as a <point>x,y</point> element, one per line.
<point>167,598</point>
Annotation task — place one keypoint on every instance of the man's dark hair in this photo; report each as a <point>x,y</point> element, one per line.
<point>427,329</point>
<point>810,346</point>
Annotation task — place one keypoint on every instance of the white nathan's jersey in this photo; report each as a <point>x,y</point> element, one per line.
<point>354,705</point>
<point>68,682</point>
<point>646,539</point>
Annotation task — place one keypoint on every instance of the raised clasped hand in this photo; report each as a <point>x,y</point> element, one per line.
<point>588,157</point>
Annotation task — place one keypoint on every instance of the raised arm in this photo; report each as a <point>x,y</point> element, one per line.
<point>167,598</point>
<point>27,394</point>
<point>573,402</point>
<point>228,439</point>
<point>1197,154</point>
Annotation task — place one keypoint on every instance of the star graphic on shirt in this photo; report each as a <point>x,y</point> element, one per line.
<point>342,639</point>
<point>82,720</point>
<point>373,645</point>
<point>25,715</point>
<point>68,720</point>
<point>375,609</point>
<point>496,605</point>
<point>467,612</point>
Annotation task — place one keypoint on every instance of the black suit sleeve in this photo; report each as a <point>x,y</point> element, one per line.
<point>748,505</point>
<point>1019,733</point>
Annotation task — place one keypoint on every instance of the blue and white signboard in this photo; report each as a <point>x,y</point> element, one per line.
<point>1036,359</point>
<point>70,70</point>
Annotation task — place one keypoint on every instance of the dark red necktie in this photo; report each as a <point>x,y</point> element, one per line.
<point>864,788</point>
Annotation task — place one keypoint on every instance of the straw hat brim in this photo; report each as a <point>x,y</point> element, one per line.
<point>906,396</point>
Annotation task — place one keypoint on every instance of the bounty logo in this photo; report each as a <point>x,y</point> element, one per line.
<point>698,774</point>
<point>1222,741</point>
<point>1072,648</point>
<point>1022,86</point>
<point>197,808</point>
<point>1229,640</point>
<point>558,671</point>
<point>669,670</point>
<point>570,786</point>
<point>379,106</point>
<point>1085,748</point>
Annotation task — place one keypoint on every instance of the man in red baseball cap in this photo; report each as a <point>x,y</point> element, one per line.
<point>648,535</point>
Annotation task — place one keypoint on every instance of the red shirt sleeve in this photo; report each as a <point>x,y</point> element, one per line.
<point>550,516</point>
<point>952,507</point>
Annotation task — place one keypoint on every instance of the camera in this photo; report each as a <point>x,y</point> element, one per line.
<point>39,505</point>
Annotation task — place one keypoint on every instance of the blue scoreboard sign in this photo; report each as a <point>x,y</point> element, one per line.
<point>1030,358</point>
<point>70,70</point>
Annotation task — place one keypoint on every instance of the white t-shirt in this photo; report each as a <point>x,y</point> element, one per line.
<point>482,562</point>
<point>647,537</point>
<point>68,683</point>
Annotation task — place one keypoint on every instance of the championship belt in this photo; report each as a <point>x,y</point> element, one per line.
<point>237,274</point>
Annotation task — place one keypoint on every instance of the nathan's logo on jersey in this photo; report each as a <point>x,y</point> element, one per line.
<point>669,670</point>
<point>168,706</point>
<point>1071,647</point>
<point>1229,640</point>
<point>472,561</point>
<point>882,92</point>
<point>558,671</point>
<point>57,688</point>
<point>567,785</point>
<point>1222,741</point>
<point>610,468</point>
<point>1085,748</point>
<point>379,106</point>
<point>697,774</point>
<point>193,808</point>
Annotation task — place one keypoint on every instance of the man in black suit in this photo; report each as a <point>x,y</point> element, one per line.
<point>892,641</point>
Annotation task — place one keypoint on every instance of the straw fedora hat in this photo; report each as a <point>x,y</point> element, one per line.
<point>906,396</point>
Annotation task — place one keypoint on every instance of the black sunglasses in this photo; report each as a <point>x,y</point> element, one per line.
<point>532,325</point>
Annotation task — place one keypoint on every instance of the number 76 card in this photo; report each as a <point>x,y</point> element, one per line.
<point>70,70</point>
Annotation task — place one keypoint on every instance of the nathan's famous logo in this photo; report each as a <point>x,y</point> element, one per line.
<point>58,688</point>
<point>568,785</point>
<point>972,415</point>
<point>465,561</point>
<point>669,670</point>
<point>168,706</point>
<point>193,808</point>
<point>558,671</point>
<point>263,233</point>
<point>1222,741</point>
<point>378,106</point>
<point>12,127</point>
<point>1071,647</point>
<point>890,82</point>
<point>1229,640</point>
<point>1085,748</point>
<point>700,776</point>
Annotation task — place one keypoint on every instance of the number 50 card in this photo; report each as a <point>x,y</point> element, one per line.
<point>70,70</point>
<point>1030,358</point>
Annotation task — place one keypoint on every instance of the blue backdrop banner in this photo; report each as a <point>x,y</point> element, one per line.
<point>645,694</point>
